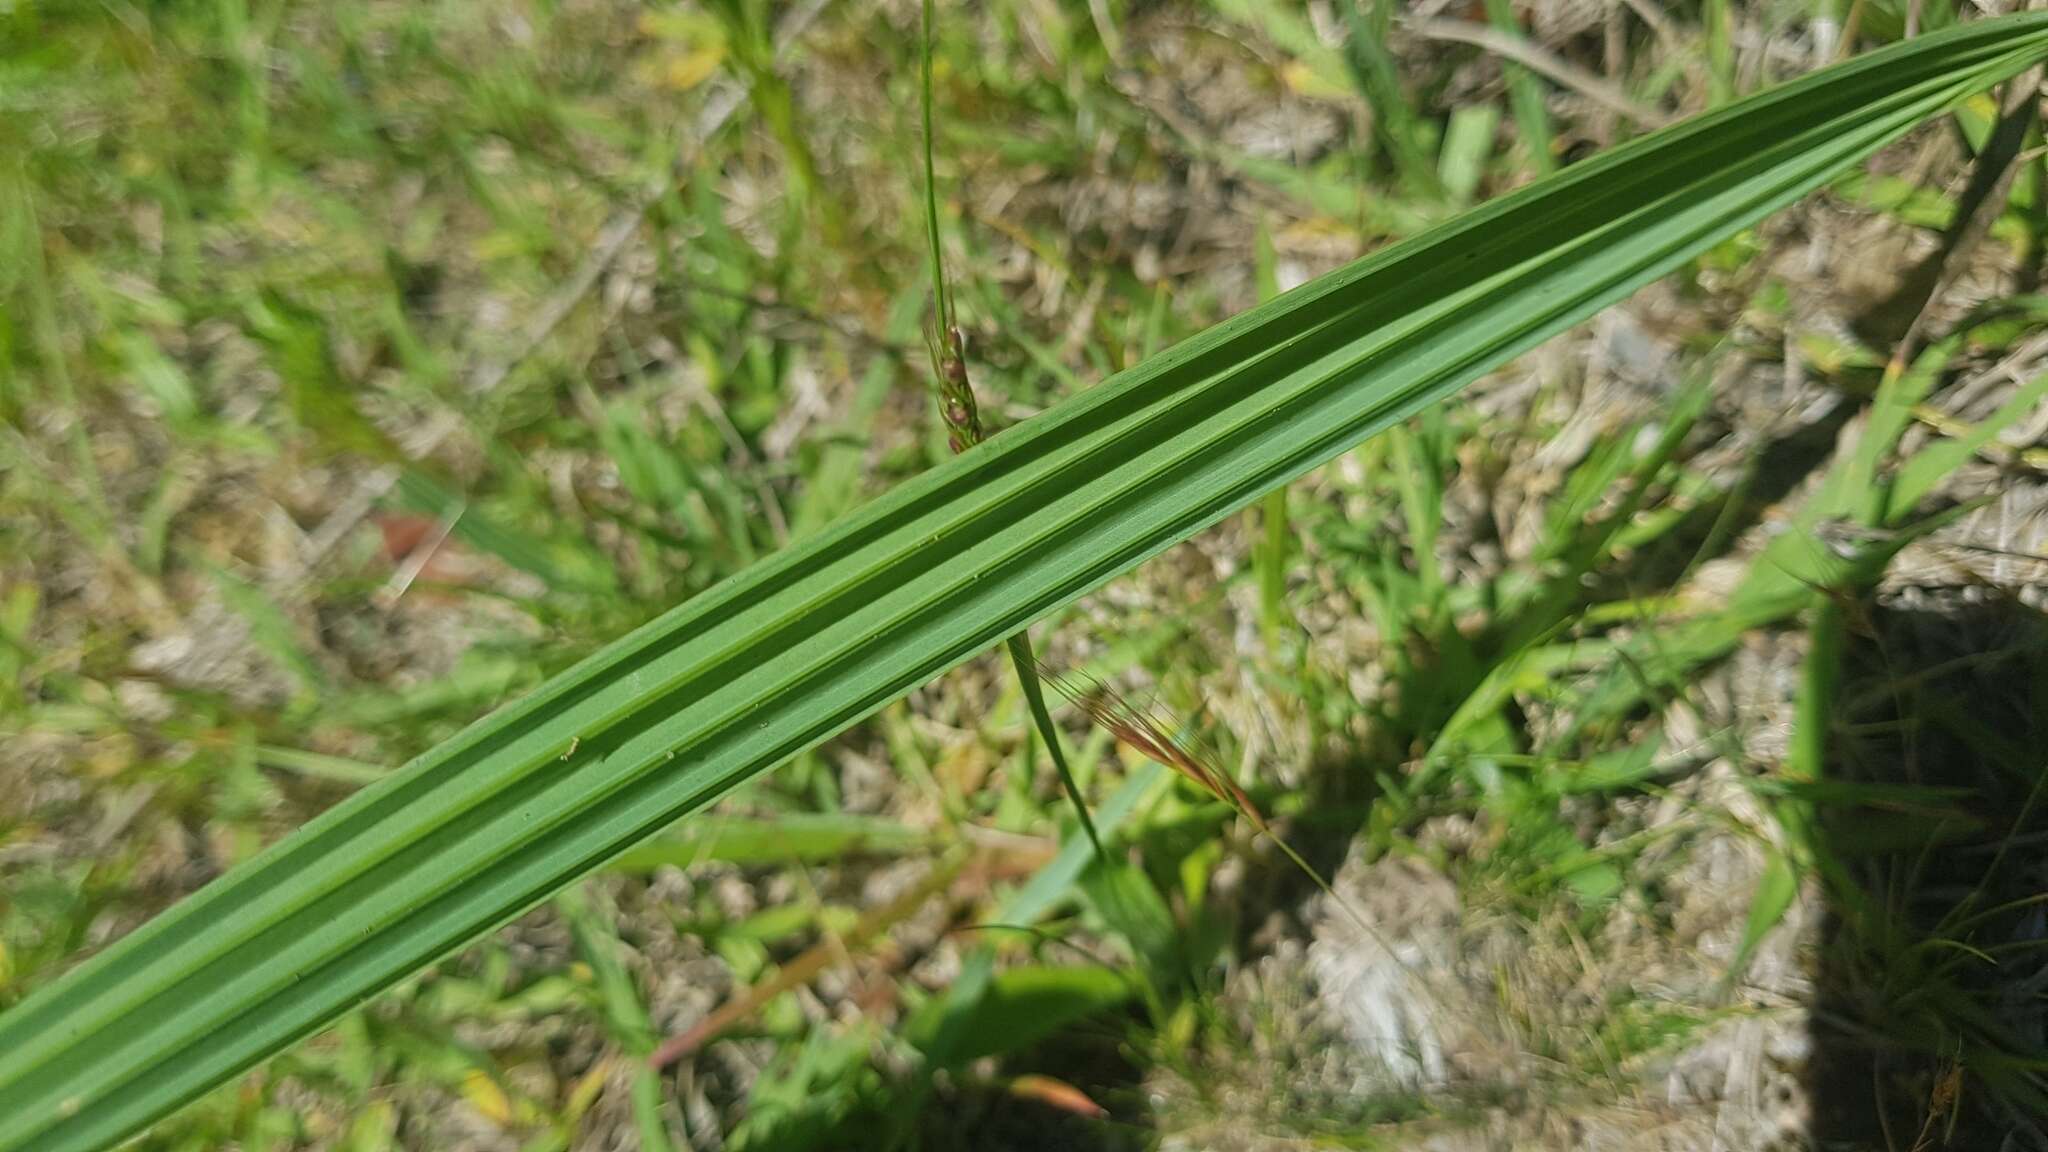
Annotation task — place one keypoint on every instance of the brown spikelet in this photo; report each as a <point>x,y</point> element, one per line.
<point>948,348</point>
<point>1138,730</point>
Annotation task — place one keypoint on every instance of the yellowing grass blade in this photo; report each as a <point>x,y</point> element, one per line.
<point>797,648</point>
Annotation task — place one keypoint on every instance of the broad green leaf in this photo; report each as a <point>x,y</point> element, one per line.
<point>805,643</point>
<point>1025,1005</point>
<point>955,1009</point>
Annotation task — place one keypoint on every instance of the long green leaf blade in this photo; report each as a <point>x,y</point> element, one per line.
<point>806,643</point>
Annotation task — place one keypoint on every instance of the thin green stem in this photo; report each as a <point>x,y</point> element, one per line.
<point>931,184</point>
<point>1525,95</point>
<point>1027,675</point>
<point>956,398</point>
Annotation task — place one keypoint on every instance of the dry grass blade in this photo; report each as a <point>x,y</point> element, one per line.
<point>806,967</point>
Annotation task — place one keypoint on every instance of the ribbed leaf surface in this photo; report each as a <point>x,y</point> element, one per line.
<point>797,648</point>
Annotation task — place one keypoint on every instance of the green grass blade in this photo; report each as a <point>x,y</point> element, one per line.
<point>812,639</point>
<point>1776,888</point>
<point>625,1017</point>
<point>1932,464</point>
<point>1720,51</point>
<point>1525,95</point>
<point>1379,82</point>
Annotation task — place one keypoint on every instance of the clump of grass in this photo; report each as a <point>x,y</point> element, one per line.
<point>1137,728</point>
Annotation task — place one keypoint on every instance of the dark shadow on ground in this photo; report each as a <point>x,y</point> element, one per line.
<point>1933,974</point>
<point>1077,1090</point>
<point>992,1119</point>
